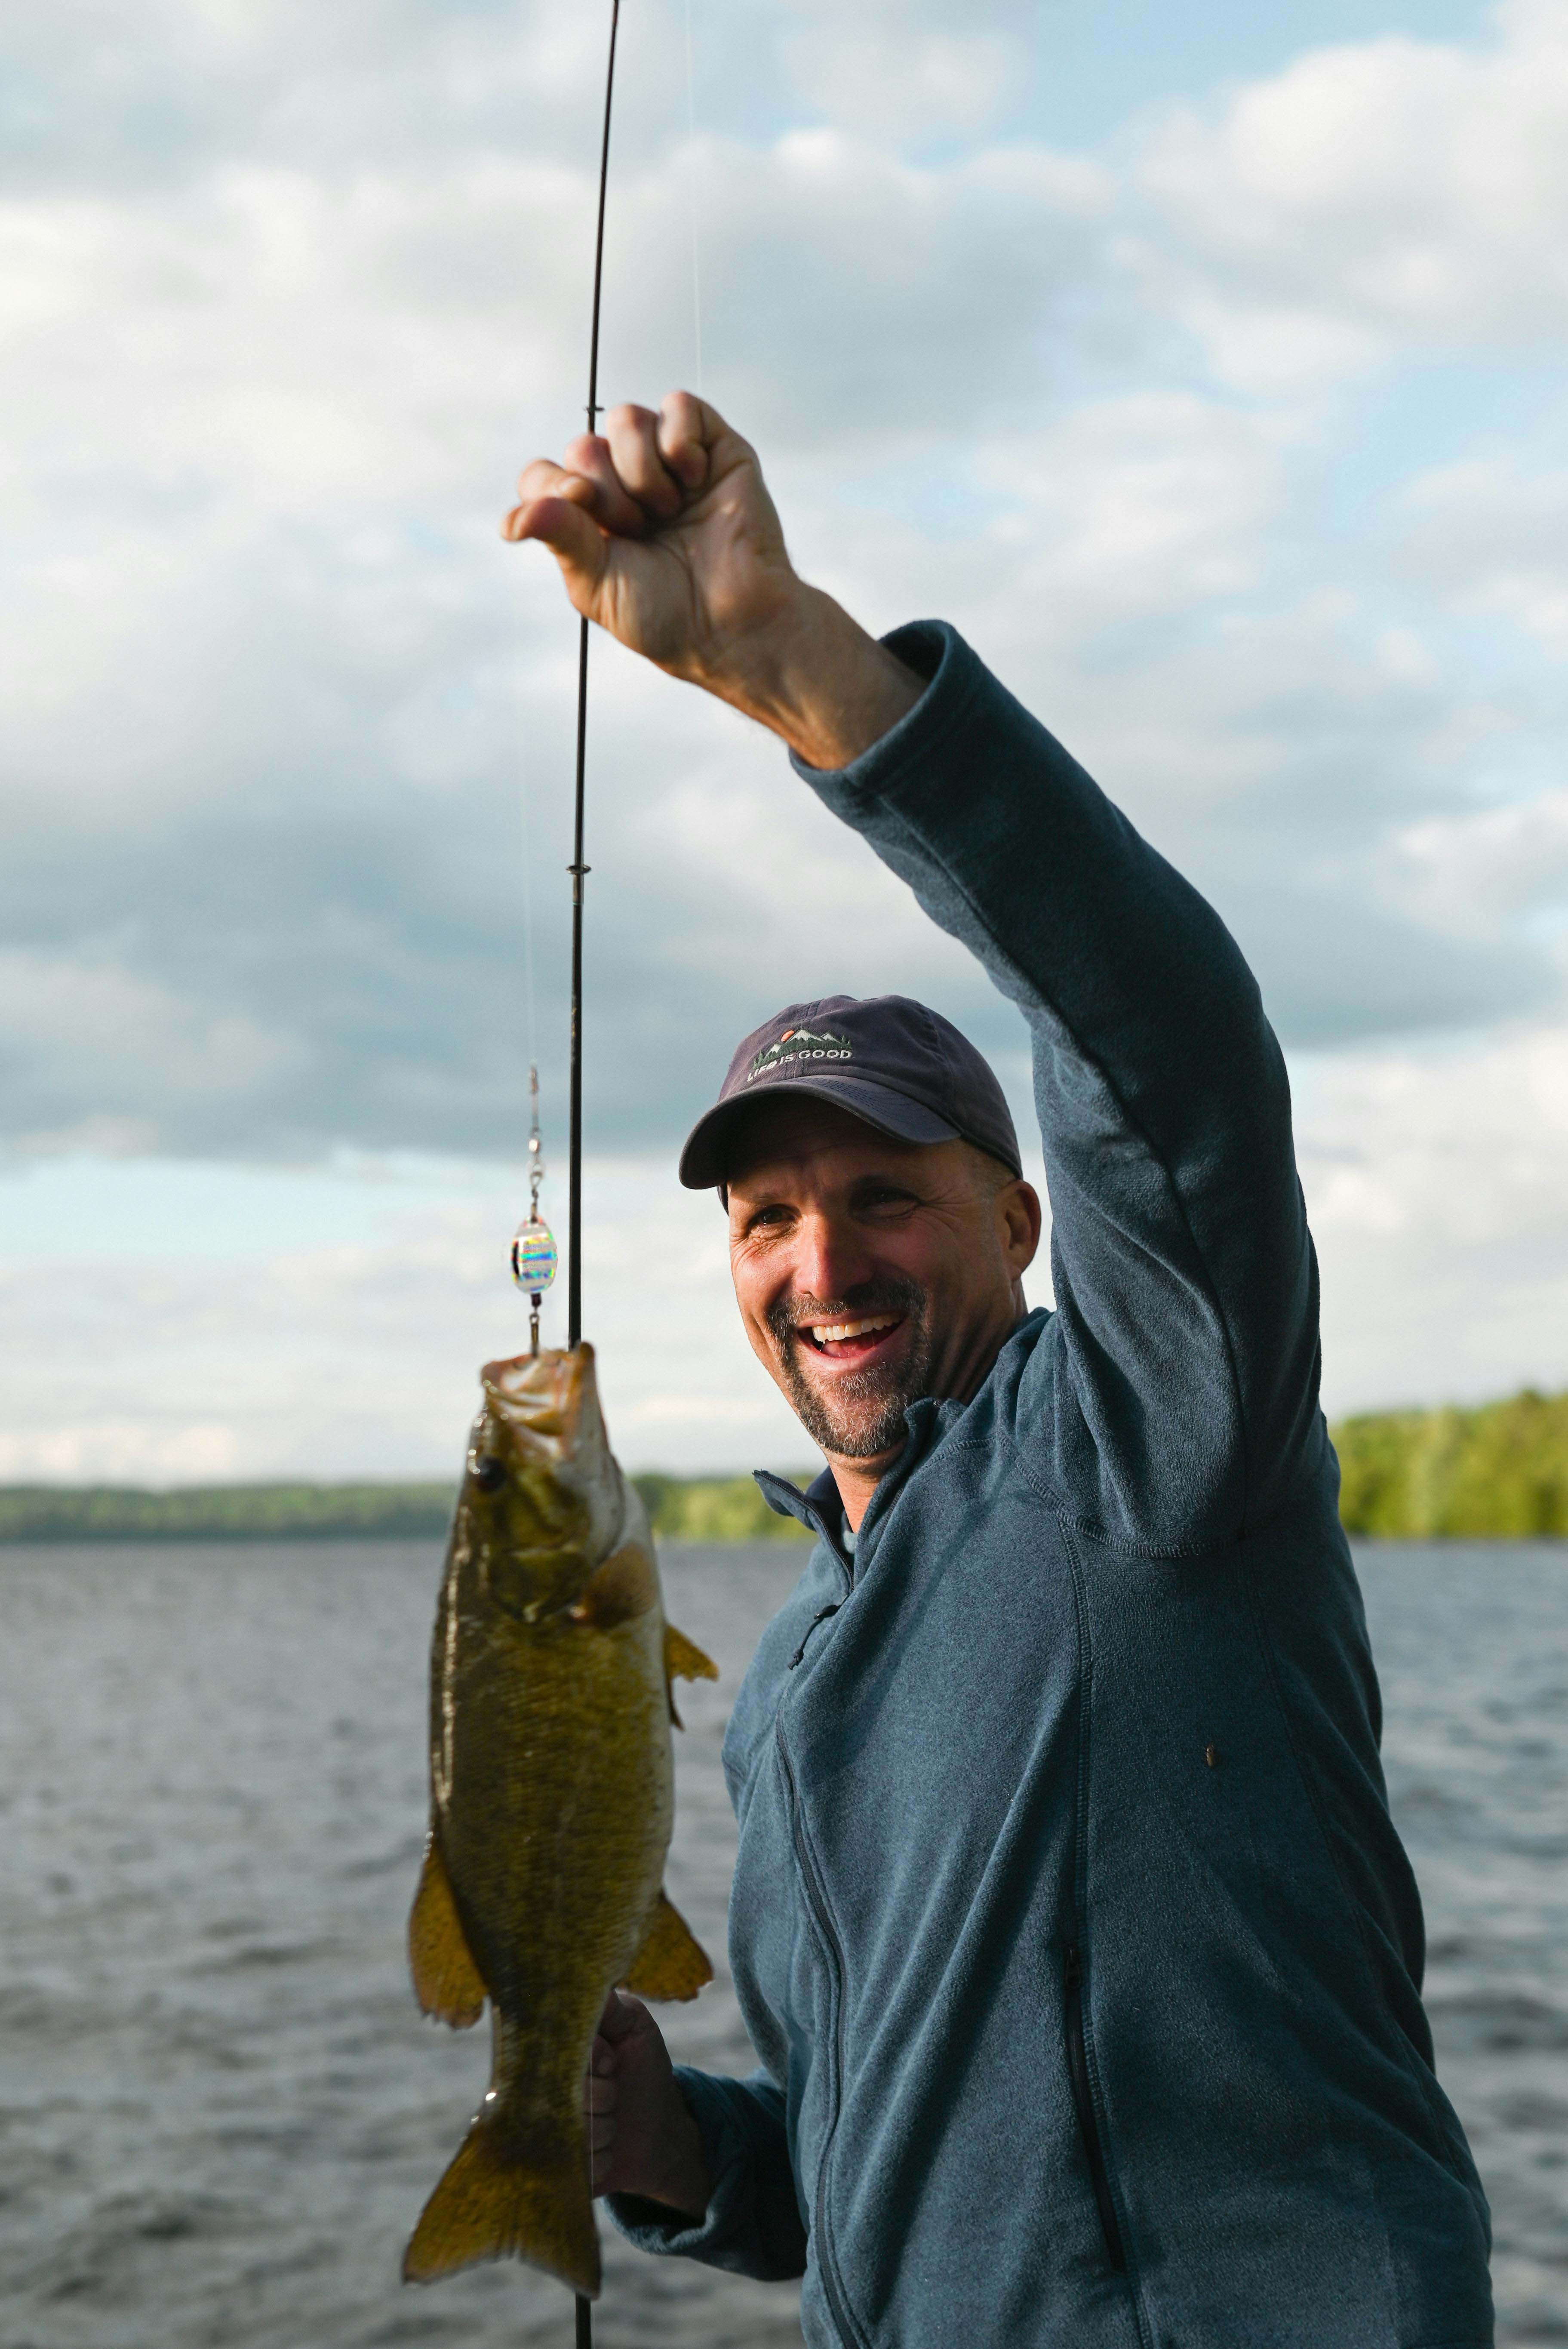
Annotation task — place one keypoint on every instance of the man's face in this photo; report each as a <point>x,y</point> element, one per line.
<point>870,1272</point>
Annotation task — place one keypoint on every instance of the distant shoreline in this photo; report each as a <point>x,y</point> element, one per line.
<point>1496,1472</point>
<point>682,1509</point>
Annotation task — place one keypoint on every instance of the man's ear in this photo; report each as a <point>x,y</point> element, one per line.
<point>1019,1219</point>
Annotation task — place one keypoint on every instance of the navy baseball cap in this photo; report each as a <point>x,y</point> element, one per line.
<point>902,1068</point>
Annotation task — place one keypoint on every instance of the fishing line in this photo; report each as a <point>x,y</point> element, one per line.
<point>528,926</point>
<point>692,195</point>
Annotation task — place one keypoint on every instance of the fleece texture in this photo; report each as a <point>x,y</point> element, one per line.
<point>1076,1946</point>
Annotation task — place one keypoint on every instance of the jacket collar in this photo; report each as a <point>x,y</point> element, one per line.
<point>819,1508</point>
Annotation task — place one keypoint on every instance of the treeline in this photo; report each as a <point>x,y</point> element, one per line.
<point>714,1508</point>
<point>682,1508</point>
<point>1497,1470</point>
<point>77,1513</point>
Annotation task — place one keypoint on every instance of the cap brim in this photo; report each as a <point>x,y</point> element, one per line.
<point>705,1160</point>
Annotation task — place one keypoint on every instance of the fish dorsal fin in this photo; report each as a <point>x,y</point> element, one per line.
<point>447,1982</point>
<point>684,1660</point>
<point>670,1963</point>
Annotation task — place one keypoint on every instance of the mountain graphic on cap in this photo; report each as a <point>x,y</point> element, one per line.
<point>799,1043</point>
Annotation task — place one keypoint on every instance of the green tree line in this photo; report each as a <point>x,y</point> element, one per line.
<point>1499,1469</point>
<point>682,1508</point>
<point>75,1513</point>
<point>1496,1470</point>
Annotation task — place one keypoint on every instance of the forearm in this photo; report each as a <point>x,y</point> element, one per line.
<point>816,679</point>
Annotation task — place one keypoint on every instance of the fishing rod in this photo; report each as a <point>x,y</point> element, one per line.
<point>533,1254</point>
<point>579,871</point>
<point>578,868</point>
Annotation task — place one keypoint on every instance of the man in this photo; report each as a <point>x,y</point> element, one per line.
<point>1069,1923</point>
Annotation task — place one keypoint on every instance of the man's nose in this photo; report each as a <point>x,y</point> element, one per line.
<point>830,1258</point>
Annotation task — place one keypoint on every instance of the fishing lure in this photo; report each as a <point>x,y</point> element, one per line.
<point>534,1255</point>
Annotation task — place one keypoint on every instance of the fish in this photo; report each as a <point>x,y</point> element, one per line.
<point>552,1804</point>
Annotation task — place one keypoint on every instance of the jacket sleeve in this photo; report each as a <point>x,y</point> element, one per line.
<point>1173,1400</point>
<point>752,2224</point>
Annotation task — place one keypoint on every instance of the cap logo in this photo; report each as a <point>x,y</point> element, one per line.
<point>799,1044</point>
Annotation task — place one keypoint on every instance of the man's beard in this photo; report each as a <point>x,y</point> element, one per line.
<point>877,1398</point>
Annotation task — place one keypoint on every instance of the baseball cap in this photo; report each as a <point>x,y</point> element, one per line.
<point>895,1063</point>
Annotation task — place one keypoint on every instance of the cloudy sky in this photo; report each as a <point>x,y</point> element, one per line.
<point>1206,367</point>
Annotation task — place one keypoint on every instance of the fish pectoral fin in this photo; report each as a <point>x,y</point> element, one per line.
<point>447,1982</point>
<point>627,1584</point>
<point>671,1963</point>
<point>684,1660</point>
<point>499,2200</point>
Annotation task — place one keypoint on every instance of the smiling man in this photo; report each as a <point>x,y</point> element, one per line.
<point>879,1225</point>
<point>1071,1930</point>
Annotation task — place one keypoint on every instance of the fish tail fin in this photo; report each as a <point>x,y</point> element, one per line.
<point>498,2201</point>
<point>671,1963</point>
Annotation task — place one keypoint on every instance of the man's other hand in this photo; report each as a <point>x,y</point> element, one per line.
<point>667,536</point>
<point>641,2135</point>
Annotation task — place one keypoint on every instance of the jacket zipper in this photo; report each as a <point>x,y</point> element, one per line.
<point>846,2330</point>
<point>1083,2098</point>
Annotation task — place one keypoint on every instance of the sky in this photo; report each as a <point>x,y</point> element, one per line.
<point>1204,368</point>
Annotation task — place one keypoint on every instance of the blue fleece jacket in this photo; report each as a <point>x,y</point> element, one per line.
<point>1069,1926</point>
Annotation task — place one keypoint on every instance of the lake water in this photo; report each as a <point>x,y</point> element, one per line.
<point>219,2111</point>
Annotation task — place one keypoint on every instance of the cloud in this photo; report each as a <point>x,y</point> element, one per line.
<point>270,1323</point>
<point>302,1354</point>
<point>1495,863</point>
<point>290,295</point>
<point>1371,195</point>
<point>1437,1182</point>
<point>1492,538</point>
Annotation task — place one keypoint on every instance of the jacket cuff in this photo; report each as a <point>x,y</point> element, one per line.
<point>723,2237</point>
<point>955,677</point>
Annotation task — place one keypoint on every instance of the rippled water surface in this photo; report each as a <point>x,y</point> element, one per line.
<point>219,2110</point>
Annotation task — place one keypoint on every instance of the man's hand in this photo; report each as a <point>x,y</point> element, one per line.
<point>640,2133</point>
<point>667,536</point>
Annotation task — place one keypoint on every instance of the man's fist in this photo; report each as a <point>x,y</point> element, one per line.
<point>664,535</point>
<point>641,2135</point>
<point>667,536</point>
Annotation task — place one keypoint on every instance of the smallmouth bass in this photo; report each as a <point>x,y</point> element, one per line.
<point>552,1802</point>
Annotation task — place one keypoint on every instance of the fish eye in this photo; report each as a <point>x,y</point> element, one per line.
<point>488,1474</point>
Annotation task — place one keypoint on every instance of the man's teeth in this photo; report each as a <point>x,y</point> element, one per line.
<point>830,1333</point>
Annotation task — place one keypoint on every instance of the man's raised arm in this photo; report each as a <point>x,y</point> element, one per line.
<point>1187,1322</point>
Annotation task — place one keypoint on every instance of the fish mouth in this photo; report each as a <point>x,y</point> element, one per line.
<point>544,1430</point>
<point>541,1397</point>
